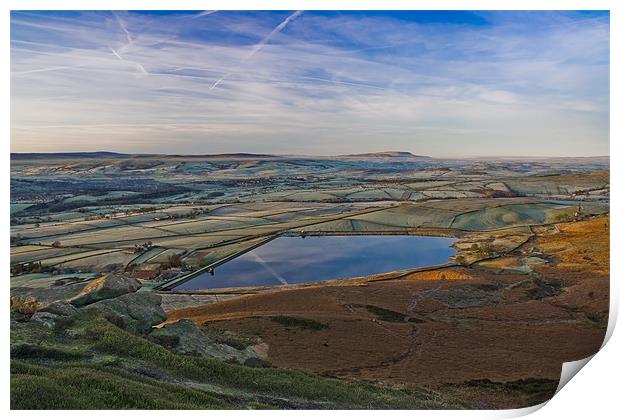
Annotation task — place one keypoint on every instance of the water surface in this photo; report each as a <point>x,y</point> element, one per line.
<point>292,260</point>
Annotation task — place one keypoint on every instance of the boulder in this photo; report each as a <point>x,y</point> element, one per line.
<point>51,313</point>
<point>25,304</point>
<point>17,316</point>
<point>43,296</point>
<point>46,318</point>
<point>105,287</point>
<point>135,312</point>
<point>60,308</point>
<point>185,337</point>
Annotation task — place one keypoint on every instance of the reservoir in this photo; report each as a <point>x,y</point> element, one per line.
<point>294,260</point>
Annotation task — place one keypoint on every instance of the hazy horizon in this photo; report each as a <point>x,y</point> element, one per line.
<point>68,152</point>
<point>439,84</point>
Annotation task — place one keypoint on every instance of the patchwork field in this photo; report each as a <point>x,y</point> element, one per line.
<point>526,289</point>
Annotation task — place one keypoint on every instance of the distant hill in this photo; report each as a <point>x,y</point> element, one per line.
<point>114,155</point>
<point>387,154</point>
<point>227,156</point>
<point>67,155</point>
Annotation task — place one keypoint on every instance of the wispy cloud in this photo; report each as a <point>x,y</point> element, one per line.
<point>531,83</point>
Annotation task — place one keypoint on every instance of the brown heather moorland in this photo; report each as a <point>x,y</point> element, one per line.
<point>495,334</point>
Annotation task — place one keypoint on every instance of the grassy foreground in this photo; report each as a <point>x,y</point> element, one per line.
<point>88,363</point>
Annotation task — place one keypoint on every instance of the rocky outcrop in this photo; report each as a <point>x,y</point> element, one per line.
<point>23,298</point>
<point>135,312</point>
<point>46,318</point>
<point>25,304</point>
<point>51,313</point>
<point>185,337</point>
<point>105,287</point>
<point>60,308</point>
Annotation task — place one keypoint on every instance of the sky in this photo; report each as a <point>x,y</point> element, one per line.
<point>442,84</point>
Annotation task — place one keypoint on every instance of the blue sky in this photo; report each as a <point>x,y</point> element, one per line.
<point>445,84</point>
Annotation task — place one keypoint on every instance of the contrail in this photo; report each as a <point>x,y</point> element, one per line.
<point>278,29</point>
<point>124,28</point>
<point>264,264</point>
<point>342,82</point>
<point>191,17</point>
<point>205,13</point>
<point>262,43</point>
<point>18,73</point>
<point>116,54</point>
<point>138,66</point>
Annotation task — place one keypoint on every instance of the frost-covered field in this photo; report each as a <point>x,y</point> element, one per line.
<point>165,217</point>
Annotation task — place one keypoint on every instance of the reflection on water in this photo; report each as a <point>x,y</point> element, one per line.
<point>290,260</point>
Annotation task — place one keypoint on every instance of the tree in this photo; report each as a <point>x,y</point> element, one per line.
<point>175,260</point>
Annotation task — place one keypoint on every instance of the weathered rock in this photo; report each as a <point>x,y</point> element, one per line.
<point>60,308</point>
<point>17,316</point>
<point>185,337</point>
<point>43,295</point>
<point>26,305</point>
<point>50,314</point>
<point>46,318</point>
<point>105,287</point>
<point>134,312</point>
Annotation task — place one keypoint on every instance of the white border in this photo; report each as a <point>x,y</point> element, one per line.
<point>591,395</point>
<point>309,5</point>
